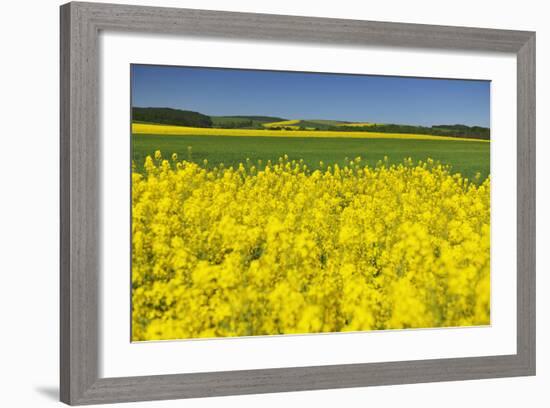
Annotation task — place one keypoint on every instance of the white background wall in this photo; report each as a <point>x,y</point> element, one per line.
<point>29,202</point>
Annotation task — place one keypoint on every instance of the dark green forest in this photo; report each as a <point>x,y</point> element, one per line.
<point>169,116</point>
<point>469,132</point>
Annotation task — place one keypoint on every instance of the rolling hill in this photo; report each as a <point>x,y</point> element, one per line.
<point>177,117</point>
<point>244,122</point>
<point>170,116</point>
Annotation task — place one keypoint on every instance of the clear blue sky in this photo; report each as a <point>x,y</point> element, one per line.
<point>292,95</point>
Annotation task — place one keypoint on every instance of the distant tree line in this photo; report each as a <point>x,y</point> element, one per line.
<point>169,116</point>
<point>478,132</point>
<point>469,132</point>
<point>287,128</point>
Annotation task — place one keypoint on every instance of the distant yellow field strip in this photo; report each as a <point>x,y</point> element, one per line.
<point>142,128</point>
<point>282,123</point>
<point>291,124</point>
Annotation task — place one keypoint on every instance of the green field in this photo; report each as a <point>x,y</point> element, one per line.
<point>465,157</point>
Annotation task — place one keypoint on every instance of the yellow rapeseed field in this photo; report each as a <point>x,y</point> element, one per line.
<point>285,123</point>
<point>276,248</point>
<point>153,129</point>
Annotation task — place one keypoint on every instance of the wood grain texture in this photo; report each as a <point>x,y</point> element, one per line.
<point>526,201</point>
<point>79,204</point>
<point>80,189</point>
<point>64,204</point>
<point>299,29</point>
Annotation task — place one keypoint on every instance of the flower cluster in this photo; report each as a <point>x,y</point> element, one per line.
<point>276,248</point>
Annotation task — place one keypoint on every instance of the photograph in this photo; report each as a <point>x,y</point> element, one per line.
<point>269,203</point>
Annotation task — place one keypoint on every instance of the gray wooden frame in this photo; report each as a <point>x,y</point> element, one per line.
<point>80,189</point>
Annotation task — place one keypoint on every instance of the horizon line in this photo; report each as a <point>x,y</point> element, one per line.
<point>309,119</point>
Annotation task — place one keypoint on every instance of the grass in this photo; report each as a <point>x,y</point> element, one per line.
<point>141,128</point>
<point>326,122</point>
<point>466,157</point>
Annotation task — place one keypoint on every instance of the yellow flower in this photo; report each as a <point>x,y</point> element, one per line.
<point>276,248</point>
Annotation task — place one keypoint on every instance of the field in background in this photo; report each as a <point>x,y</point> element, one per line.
<point>153,129</point>
<point>291,124</point>
<point>466,157</point>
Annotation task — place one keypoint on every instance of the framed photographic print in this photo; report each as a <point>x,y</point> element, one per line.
<point>261,203</point>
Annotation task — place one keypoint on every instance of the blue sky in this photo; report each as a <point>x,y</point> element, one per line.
<point>295,95</point>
